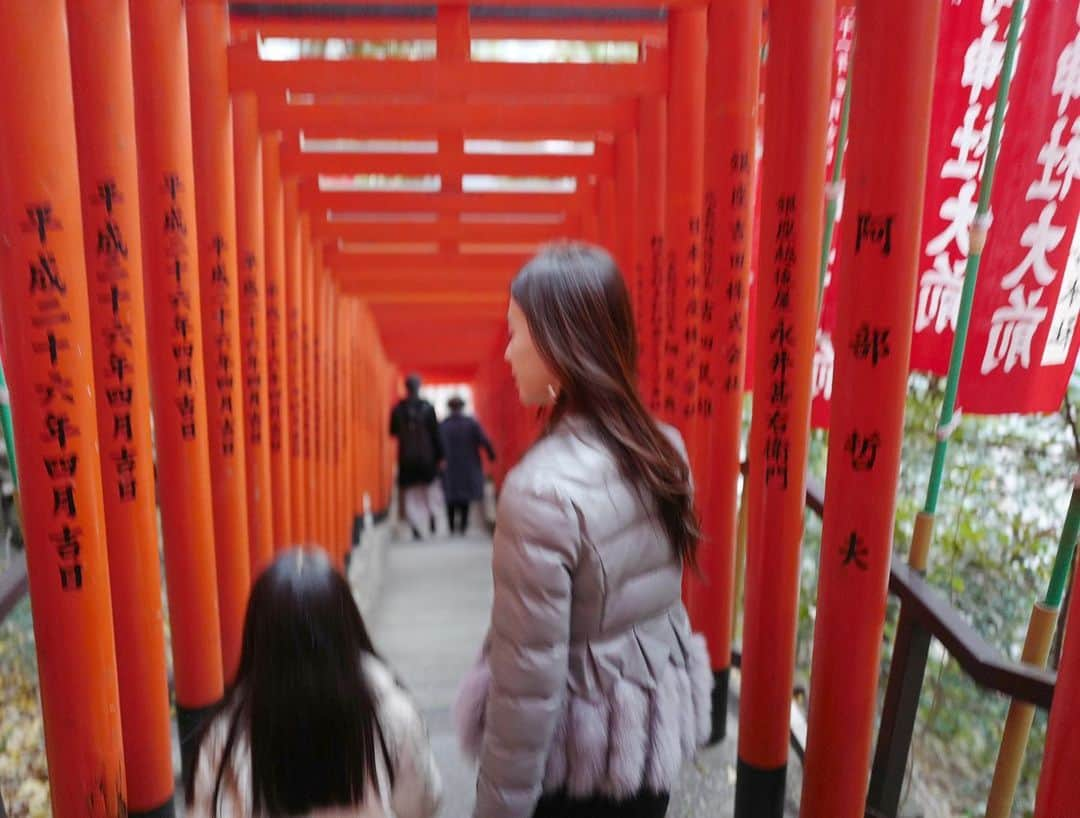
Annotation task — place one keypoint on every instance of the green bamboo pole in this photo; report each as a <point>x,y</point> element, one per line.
<point>1066,549</point>
<point>924,523</point>
<point>1040,635</point>
<point>832,205</point>
<point>5,421</point>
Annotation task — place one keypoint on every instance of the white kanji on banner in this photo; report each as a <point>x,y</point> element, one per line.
<point>940,288</point>
<point>1069,164</point>
<point>992,8</point>
<point>1012,330</point>
<point>983,63</point>
<point>1063,324</point>
<point>958,213</point>
<point>970,140</point>
<point>1040,238</point>
<point>1052,159</point>
<point>1067,76</point>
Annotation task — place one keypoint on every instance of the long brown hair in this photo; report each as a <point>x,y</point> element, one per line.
<point>579,314</point>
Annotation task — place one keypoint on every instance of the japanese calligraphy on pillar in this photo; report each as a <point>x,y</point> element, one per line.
<point>821,379</point>
<point>691,318</point>
<point>273,362</point>
<point>971,55</point>
<point>708,321</point>
<point>183,334</point>
<point>225,380</point>
<point>249,294</point>
<point>734,289</point>
<point>671,336</point>
<point>296,358</point>
<point>781,343</point>
<point>657,319</point>
<point>118,381</point>
<point>56,393</point>
<point>1022,343</point>
<point>317,376</point>
<point>309,379</point>
<point>870,345</point>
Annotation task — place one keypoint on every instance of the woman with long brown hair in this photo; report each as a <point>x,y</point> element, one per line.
<point>591,689</point>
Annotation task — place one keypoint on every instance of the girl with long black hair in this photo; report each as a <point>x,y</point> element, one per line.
<point>315,723</point>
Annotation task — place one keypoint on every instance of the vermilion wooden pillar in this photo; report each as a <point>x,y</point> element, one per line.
<point>294,337</point>
<point>251,246</point>
<point>108,173</point>
<point>326,412</point>
<point>170,264</point>
<point>277,357</point>
<point>591,225</point>
<point>727,227</point>
<point>685,158</point>
<point>307,285</point>
<point>606,208</point>
<point>686,168</point>
<point>1057,781</point>
<point>627,203</point>
<point>651,299</point>
<point>46,325</point>
<point>212,138</point>
<point>329,408</point>
<point>347,388</point>
<point>321,352</point>
<point>797,86</point>
<point>877,276</point>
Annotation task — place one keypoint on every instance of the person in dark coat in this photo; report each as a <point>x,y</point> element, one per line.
<point>420,453</point>
<point>463,478</point>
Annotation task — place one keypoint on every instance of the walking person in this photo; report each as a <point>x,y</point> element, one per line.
<point>315,723</point>
<point>591,689</point>
<point>416,428</point>
<point>463,477</point>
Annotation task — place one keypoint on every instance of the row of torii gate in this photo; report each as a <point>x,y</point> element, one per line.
<point>175,246</point>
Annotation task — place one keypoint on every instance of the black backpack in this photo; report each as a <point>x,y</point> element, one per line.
<point>416,449</point>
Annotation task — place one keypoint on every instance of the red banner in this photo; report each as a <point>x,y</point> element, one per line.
<point>1022,342</point>
<point>971,51</point>
<point>824,356</point>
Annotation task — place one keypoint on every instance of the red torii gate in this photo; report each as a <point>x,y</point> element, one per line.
<point>322,296</point>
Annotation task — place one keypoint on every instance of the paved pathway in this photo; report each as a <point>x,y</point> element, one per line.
<point>429,621</point>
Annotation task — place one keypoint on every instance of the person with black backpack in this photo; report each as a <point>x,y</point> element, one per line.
<point>420,455</point>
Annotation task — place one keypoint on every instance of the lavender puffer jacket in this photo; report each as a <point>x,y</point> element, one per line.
<point>590,679</point>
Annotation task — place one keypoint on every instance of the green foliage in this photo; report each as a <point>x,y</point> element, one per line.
<point>23,772</point>
<point>1003,502</point>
